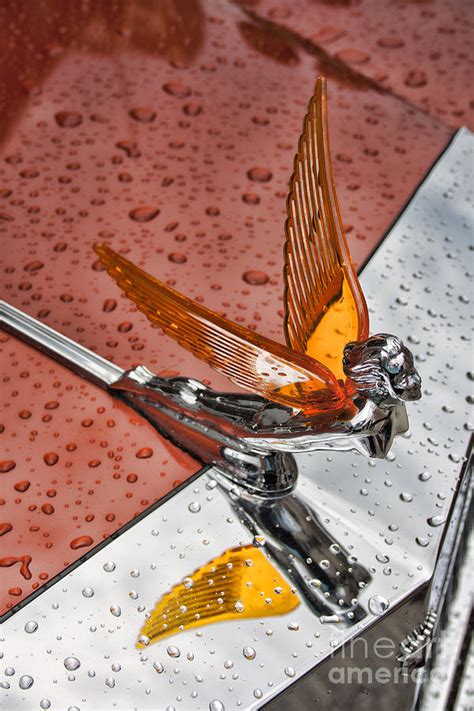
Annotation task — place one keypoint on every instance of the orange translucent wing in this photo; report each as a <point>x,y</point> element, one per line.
<point>248,360</point>
<point>325,306</point>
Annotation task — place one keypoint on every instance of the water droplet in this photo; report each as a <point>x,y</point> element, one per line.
<point>188,582</point>
<point>175,88</point>
<point>424,476</point>
<point>143,115</point>
<point>115,610</point>
<point>353,56</point>
<point>378,604</point>
<point>109,306</point>
<point>239,606</point>
<point>72,663</point>
<point>405,496</point>
<point>329,619</point>
<point>81,542</point>
<point>177,258</point>
<point>130,148</point>
<point>109,566</point>
<point>68,119</point>
<point>7,465</point>
<point>45,704</point>
<point>5,528</point>
<point>289,671</point>
<point>250,199</point>
<point>50,458</point>
<point>423,542</point>
<point>33,267</point>
<point>26,681</point>
<point>88,592</point>
<point>293,626</point>
<point>390,42</point>
<point>259,174</point>
<point>31,626</point>
<point>144,213</point>
<point>110,681</point>
<point>416,78</point>
<point>436,521</point>
<point>194,507</point>
<point>173,651</point>
<point>255,278</point>
<point>144,453</point>
<point>249,652</point>
<point>216,705</point>
<point>192,109</point>
<point>158,667</point>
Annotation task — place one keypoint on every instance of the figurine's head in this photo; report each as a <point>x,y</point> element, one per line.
<point>382,369</point>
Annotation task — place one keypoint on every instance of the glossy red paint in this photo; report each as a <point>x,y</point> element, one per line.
<point>420,50</point>
<point>76,466</point>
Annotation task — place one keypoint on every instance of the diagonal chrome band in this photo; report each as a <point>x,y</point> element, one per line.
<point>77,358</point>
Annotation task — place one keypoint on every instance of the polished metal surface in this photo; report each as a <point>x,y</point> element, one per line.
<point>385,518</point>
<point>81,360</point>
<point>450,682</point>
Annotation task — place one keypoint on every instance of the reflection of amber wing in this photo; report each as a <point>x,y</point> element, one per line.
<point>325,306</point>
<point>251,361</point>
<point>220,591</point>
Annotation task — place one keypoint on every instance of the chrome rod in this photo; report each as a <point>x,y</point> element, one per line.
<point>77,358</point>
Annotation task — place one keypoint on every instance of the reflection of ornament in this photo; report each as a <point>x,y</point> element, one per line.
<point>325,307</point>
<point>239,583</point>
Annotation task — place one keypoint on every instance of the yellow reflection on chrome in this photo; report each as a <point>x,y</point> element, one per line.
<point>239,583</point>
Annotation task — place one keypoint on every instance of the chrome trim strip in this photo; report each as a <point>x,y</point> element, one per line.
<point>77,358</point>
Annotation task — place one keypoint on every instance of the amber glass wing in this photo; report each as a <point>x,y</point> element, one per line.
<point>251,361</point>
<point>325,306</point>
<point>238,584</point>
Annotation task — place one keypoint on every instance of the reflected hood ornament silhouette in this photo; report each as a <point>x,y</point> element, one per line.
<point>330,387</point>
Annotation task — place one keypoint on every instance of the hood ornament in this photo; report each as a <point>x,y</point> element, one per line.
<point>330,387</point>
